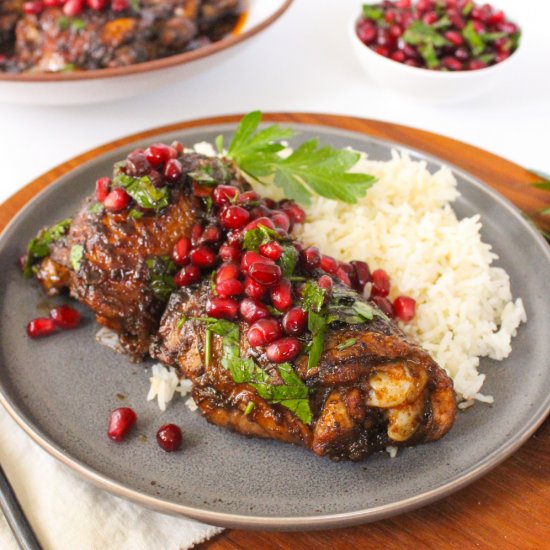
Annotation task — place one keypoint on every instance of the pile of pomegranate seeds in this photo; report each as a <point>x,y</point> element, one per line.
<point>446,35</point>
<point>62,317</point>
<point>72,8</point>
<point>122,420</point>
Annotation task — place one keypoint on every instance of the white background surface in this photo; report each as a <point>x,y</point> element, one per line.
<point>303,63</point>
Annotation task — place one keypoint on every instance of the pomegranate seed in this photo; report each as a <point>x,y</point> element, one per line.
<point>384,305</point>
<point>136,163</point>
<point>456,19</point>
<point>496,18</point>
<point>367,35</point>
<point>178,147</point>
<point>362,274</point>
<point>251,310</point>
<point>263,332</point>
<point>248,196</point>
<point>159,153</point>
<point>156,178</point>
<point>196,233</point>
<point>234,217</point>
<point>403,4</point>
<point>380,283</point>
<point>294,321</point>
<point>224,194</point>
<point>280,219</point>
<point>203,256</point>
<point>462,54</point>
<point>260,212</point>
<point>169,438</point>
<point>398,56</point>
<point>121,421</point>
<point>65,317</point>
<point>116,200</point>
<point>120,5</point>
<point>250,258</point>
<point>264,273</point>
<point>384,38</point>
<point>281,295</point>
<point>343,275</point>
<point>33,8</point>
<point>272,250</point>
<point>53,3</point>
<point>328,264</point>
<point>430,18</point>
<point>479,27</point>
<point>42,326</point>
<point>404,308</point>
<point>390,16</point>
<point>423,5</point>
<point>396,31</point>
<point>173,171</point>
<point>226,272</point>
<point>180,252</point>
<point>229,253</point>
<point>73,7</point>
<point>253,289</point>
<point>283,350</point>
<point>454,37</point>
<point>310,258</point>
<point>229,287</point>
<point>102,186</point>
<point>452,63</point>
<point>211,234</point>
<point>476,64</point>
<point>187,275</point>
<point>502,56</point>
<point>326,283</point>
<point>235,238</point>
<point>294,212</point>
<point>222,308</point>
<point>266,222</point>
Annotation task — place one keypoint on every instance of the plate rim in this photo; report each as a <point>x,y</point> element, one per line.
<point>325,521</point>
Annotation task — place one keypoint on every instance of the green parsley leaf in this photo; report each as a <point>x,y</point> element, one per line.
<point>467,9</point>
<point>492,36</point>
<point>307,170</point>
<point>95,208</point>
<point>249,408</point>
<point>288,259</point>
<point>142,191</point>
<point>207,347</point>
<point>254,238</point>
<point>219,144</point>
<point>374,13</point>
<point>347,344</point>
<point>317,325</point>
<point>473,38</point>
<point>487,58</point>
<point>39,247</point>
<point>313,296</point>
<point>135,214</point>
<point>76,255</point>
<point>68,68</point>
<point>427,51</point>
<point>420,33</point>
<point>78,25</point>
<point>442,23</point>
<point>364,310</point>
<point>63,23</point>
<point>161,276</point>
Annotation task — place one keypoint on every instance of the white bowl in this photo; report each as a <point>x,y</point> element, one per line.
<point>427,85</point>
<point>121,82</point>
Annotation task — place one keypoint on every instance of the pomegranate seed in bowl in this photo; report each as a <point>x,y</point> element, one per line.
<point>121,421</point>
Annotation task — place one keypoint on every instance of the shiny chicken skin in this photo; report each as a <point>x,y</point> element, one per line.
<point>369,386</point>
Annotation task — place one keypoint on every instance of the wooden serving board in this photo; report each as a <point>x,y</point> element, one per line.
<point>510,506</point>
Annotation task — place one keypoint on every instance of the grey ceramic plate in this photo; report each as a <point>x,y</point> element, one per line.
<point>61,389</point>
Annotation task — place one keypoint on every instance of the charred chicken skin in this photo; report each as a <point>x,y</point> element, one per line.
<point>53,39</point>
<point>278,341</point>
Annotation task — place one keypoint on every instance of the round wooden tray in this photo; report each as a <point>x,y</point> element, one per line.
<point>510,505</point>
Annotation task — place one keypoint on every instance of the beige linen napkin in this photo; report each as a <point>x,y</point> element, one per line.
<point>68,513</point>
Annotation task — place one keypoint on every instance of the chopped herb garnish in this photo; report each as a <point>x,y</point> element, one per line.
<point>467,9</point>
<point>76,255</point>
<point>142,191</point>
<point>135,214</point>
<point>476,43</point>
<point>249,408</point>
<point>207,347</point>
<point>78,25</point>
<point>63,23</point>
<point>308,170</point>
<point>427,51</point>
<point>134,4</point>
<point>374,13</point>
<point>317,325</point>
<point>420,33</point>
<point>254,238</point>
<point>288,259</point>
<point>180,323</point>
<point>161,276</point>
<point>274,311</point>
<point>211,174</point>
<point>313,296</point>
<point>347,344</point>
<point>95,208</point>
<point>39,247</point>
<point>68,68</point>
<point>492,36</point>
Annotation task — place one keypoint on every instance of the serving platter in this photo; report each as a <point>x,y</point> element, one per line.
<point>60,389</point>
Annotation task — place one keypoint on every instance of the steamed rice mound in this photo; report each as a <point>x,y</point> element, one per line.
<point>406,226</point>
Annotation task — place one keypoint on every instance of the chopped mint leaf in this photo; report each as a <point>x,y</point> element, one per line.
<point>317,325</point>
<point>347,344</point>
<point>374,13</point>
<point>254,238</point>
<point>161,276</point>
<point>288,259</point>
<point>95,208</point>
<point>473,38</point>
<point>142,191</point>
<point>420,33</point>
<point>249,408</point>
<point>135,214</point>
<point>76,255</point>
<point>313,296</point>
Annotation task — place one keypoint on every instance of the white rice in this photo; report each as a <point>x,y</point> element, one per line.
<point>164,385</point>
<point>406,226</point>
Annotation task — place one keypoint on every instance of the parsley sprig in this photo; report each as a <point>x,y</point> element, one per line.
<point>308,170</point>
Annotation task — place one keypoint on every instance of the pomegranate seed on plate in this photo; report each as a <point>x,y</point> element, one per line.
<point>462,54</point>
<point>224,194</point>
<point>228,271</point>
<point>158,153</point>
<point>177,146</point>
<point>116,200</point>
<point>265,273</point>
<point>156,178</point>
<point>222,308</point>
<point>310,257</point>
<point>328,264</point>
<point>342,274</point>
<point>235,238</point>
<point>40,327</point>
<point>229,253</point>
<point>102,186</point>
<point>211,234</point>
<point>33,8</point>
<point>294,212</point>
<point>248,196</point>
<point>362,274</point>
<point>229,287</point>
<point>121,421</point>
<point>173,171</point>
<point>73,8</point>
<point>326,283</point>
<point>501,56</point>
<point>196,233</point>
<point>295,321</point>
<point>259,212</point>
<point>367,35</point>
<point>263,332</point>
<point>254,289</point>
<point>120,5</point>
<point>136,163</point>
<point>384,305</point>
<point>203,256</point>
<point>234,217</point>
<point>430,18</point>
<point>187,275</point>
<point>181,250</point>
<point>496,18</point>
<point>476,64</point>
<point>266,222</point>
<point>65,317</point>
<point>380,283</point>
<point>169,438</point>
<point>398,55</point>
<point>250,258</point>
<point>280,219</point>
<point>404,308</point>
<point>272,250</point>
<point>283,350</point>
<point>251,310</point>
<point>281,295</point>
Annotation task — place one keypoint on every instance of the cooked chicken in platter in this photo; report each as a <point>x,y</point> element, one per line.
<point>71,35</point>
<point>185,262</point>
